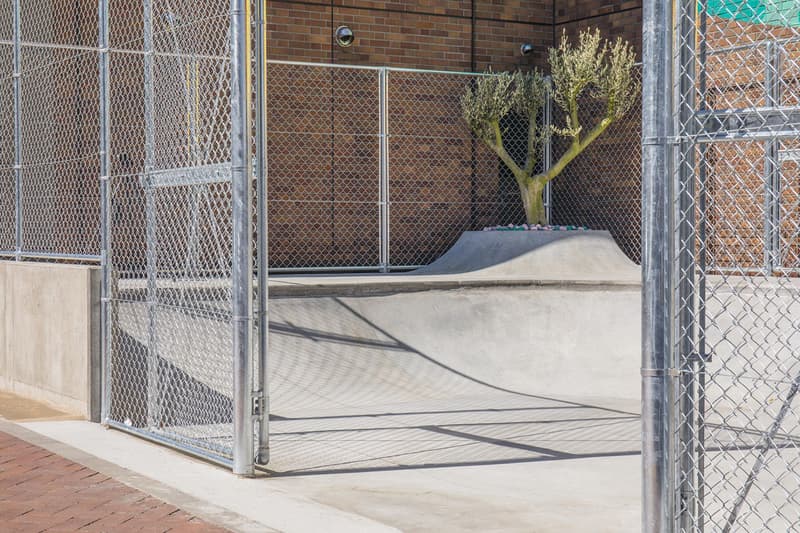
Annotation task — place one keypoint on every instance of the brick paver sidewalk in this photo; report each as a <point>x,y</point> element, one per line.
<point>42,491</point>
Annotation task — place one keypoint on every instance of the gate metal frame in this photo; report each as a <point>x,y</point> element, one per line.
<point>678,127</point>
<point>250,400</point>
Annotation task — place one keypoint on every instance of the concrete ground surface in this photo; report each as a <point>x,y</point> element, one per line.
<point>484,399</point>
<point>564,494</point>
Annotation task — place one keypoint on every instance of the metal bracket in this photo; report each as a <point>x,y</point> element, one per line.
<point>660,372</point>
<point>658,141</point>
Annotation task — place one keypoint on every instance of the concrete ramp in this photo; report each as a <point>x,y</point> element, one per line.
<point>537,255</point>
<point>465,376</point>
<point>497,355</point>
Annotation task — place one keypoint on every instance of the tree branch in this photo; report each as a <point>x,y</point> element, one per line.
<point>530,160</point>
<point>575,149</point>
<point>520,175</point>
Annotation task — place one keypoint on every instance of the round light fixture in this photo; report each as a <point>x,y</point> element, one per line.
<point>344,36</point>
<point>526,49</point>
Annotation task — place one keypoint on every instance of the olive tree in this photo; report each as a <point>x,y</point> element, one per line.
<point>593,68</point>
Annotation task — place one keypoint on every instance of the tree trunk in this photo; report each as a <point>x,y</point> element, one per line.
<point>533,202</point>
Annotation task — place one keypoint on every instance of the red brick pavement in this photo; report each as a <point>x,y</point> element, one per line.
<point>42,491</point>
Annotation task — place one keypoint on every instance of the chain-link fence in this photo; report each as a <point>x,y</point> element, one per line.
<point>602,188</point>
<point>135,137</point>
<point>374,168</point>
<point>722,302</point>
<point>370,168</point>
<point>49,159</point>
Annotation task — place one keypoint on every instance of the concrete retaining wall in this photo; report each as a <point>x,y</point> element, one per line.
<point>49,334</point>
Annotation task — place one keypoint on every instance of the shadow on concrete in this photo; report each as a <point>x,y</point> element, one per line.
<point>382,415</point>
<point>347,396</point>
<point>180,400</point>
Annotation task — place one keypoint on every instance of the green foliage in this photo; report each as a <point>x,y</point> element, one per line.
<point>488,102</point>
<point>496,95</point>
<point>593,68</point>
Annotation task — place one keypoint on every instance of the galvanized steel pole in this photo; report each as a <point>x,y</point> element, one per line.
<point>547,156</point>
<point>262,457</point>
<point>383,129</point>
<point>17,75</point>
<point>773,80</point>
<point>657,224</point>
<point>242,265</point>
<point>702,251</point>
<point>105,219</point>
<point>687,355</point>
<point>153,416</point>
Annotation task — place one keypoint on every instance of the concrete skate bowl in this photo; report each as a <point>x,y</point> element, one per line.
<point>395,373</point>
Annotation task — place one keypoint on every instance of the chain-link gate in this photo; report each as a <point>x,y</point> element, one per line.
<point>180,84</point>
<point>721,310</point>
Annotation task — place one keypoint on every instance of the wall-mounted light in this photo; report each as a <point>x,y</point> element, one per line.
<point>344,36</point>
<point>526,49</point>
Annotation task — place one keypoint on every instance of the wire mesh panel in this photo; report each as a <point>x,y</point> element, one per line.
<point>324,166</point>
<point>736,295</point>
<point>376,168</point>
<point>442,179</point>
<point>58,193</point>
<point>171,143</point>
<point>7,161</point>
<point>601,188</point>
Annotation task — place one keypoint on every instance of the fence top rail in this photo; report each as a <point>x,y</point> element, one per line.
<point>754,44</point>
<point>376,68</point>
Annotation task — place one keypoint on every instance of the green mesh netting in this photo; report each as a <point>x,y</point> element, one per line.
<point>773,12</point>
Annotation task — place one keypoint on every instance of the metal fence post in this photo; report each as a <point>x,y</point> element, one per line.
<point>702,259</point>
<point>242,279</point>
<point>772,166</point>
<point>105,219</point>
<point>383,128</point>
<point>262,231</point>
<point>547,155</point>
<point>657,160</point>
<point>17,75</point>
<point>151,220</point>
<point>686,359</point>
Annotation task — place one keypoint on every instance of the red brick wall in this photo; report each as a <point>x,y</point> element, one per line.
<point>414,34</point>
<point>323,148</point>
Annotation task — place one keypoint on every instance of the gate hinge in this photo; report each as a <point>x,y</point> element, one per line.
<point>258,404</point>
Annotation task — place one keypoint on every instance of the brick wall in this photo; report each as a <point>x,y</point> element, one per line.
<point>413,34</point>
<point>324,173</point>
<point>323,147</point>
